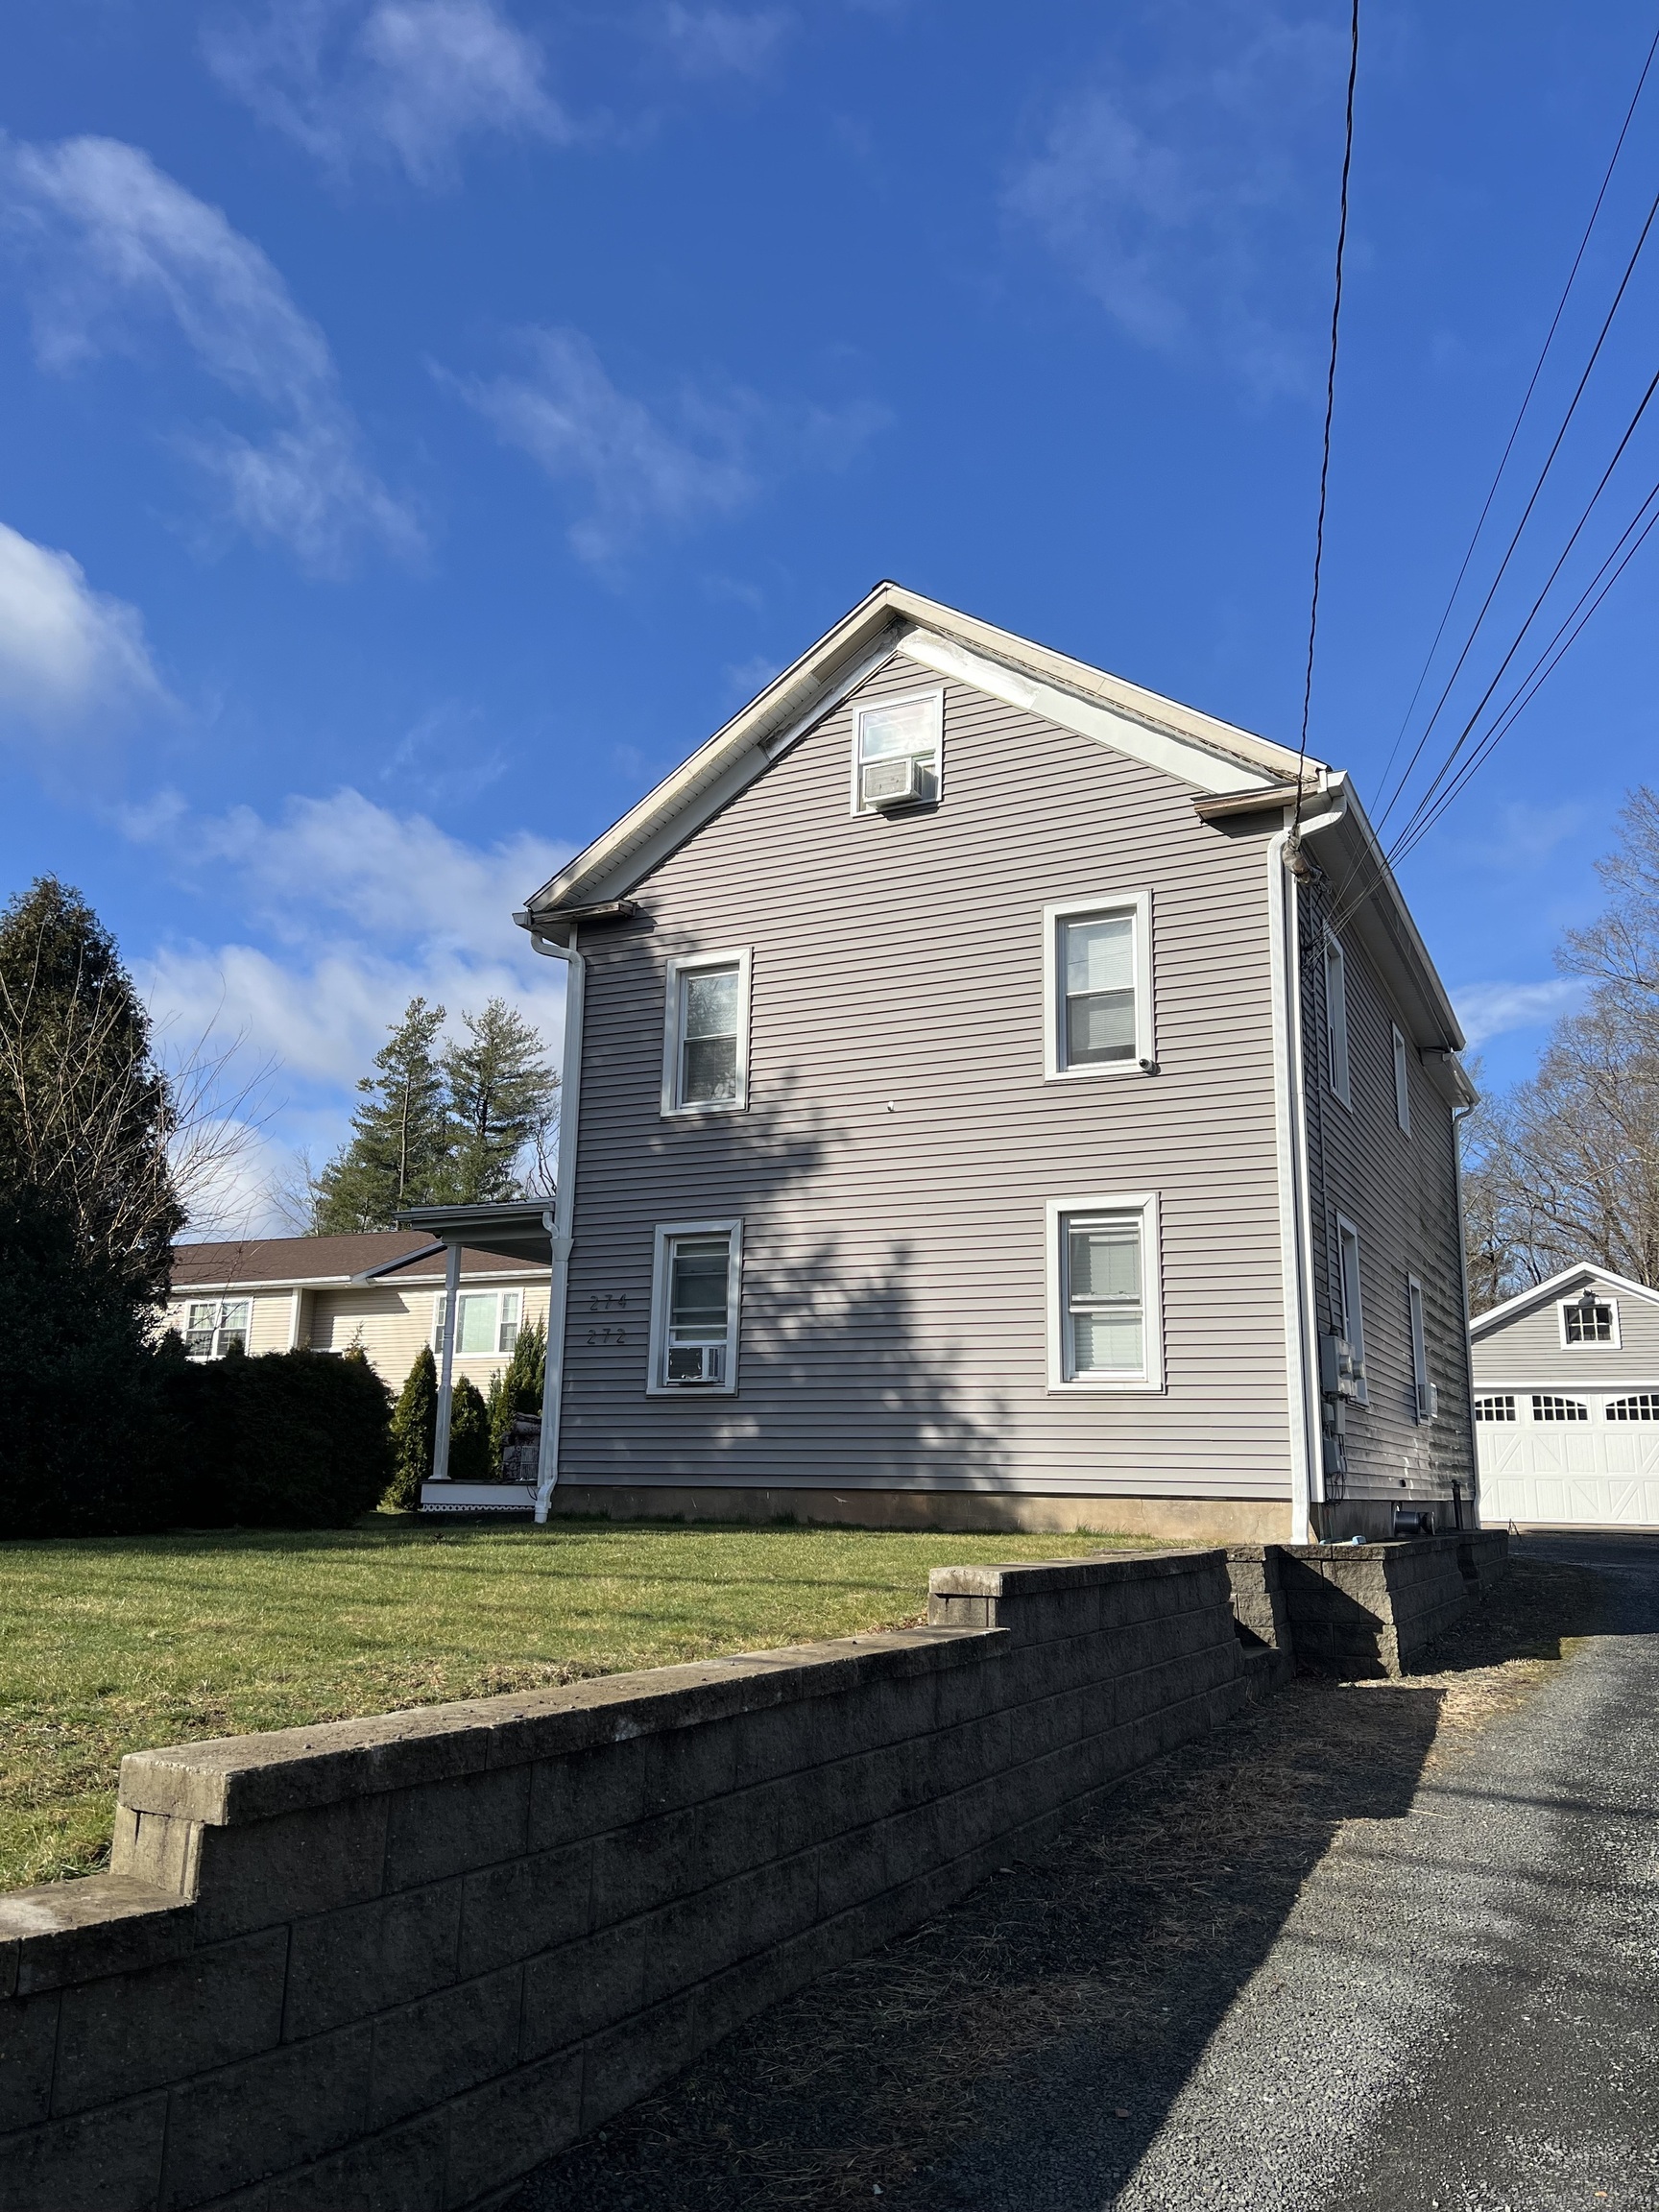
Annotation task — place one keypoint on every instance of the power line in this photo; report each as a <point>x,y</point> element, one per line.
<point>1520,417</point>
<point>1330,397</point>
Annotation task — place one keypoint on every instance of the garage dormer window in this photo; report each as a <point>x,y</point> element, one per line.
<point>898,747</point>
<point>1589,1320</point>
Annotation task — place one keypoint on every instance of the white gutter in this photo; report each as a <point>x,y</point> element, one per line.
<point>560,1220</point>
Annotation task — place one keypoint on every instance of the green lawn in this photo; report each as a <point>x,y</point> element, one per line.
<point>110,1645</point>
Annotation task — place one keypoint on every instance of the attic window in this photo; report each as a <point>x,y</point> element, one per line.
<point>1589,1320</point>
<point>897,749</point>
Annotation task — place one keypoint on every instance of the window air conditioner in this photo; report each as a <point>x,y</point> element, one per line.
<point>697,1363</point>
<point>886,784</point>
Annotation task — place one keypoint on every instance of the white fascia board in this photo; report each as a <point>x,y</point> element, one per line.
<point>1570,1277</point>
<point>1157,747</point>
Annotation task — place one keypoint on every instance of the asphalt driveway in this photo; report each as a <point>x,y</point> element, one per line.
<point>1372,1950</point>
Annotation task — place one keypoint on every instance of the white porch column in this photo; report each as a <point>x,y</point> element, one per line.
<point>446,1364</point>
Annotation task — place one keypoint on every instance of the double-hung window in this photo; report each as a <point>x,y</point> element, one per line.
<point>486,1322</point>
<point>1097,985</point>
<point>705,1040</point>
<point>1350,1315</point>
<point>1401,1084</point>
<point>214,1324</point>
<point>1105,1328</point>
<point>898,752</point>
<point>1336,1020</point>
<point>695,1278</point>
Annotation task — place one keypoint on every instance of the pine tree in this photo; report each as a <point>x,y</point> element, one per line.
<point>414,1426</point>
<point>399,1134</point>
<point>504,1098</point>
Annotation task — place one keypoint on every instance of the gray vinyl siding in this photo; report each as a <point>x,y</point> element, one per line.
<point>1527,1354</point>
<point>901,1142</point>
<point>1400,1193</point>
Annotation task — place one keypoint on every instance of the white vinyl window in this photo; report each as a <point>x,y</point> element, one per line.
<point>1097,985</point>
<point>1336,1020</point>
<point>695,1280</point>
<point>898,752</point>
<point>485,1323</point>
<point>1499,1406</point>
<point>1548,1407</point>
<point>213,1325</point>
<point>1641,1405</point>
<point>1402,1085</point>
<point>1589,1320</point>
<point>1422,1389</point>
<point>1105,1327</point>
<point>706,1036</point>
<point>1352,1316</point>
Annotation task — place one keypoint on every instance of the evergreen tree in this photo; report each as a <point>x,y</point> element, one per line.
<point>516,1387</point>
<point>399,1134</point>
<point>468,1433</point>
<point>502,1097</point>
<point>414,1426</point>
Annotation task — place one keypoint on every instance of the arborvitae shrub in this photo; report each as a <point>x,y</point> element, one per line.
<point>516,1387</point>
<point>469,1434</point>
<point>414,1425</point>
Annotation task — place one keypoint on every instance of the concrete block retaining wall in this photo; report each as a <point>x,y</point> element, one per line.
<point>1375,1609</point>
<point>397,1962</point>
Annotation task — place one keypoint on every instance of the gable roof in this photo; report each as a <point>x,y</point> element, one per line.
<point>1212,755</point>
<point>1574,1278</point>
<point>285,1262</point>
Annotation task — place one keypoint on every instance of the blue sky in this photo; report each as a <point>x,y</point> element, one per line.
<point>424,421</point>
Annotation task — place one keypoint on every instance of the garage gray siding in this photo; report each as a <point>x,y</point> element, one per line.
<point>1400,1193</point>
<point>901,1142</point>
<point>1527,1353</point>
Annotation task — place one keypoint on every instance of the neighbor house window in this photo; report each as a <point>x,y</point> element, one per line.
<point>1098,983</point>
<point>1545,1406</point>
<point>706,1044</point>
<point>1589,1320</point>
<point>896,752</point>
<point>1498,1406</point>
<point>213,1325</point>
<point>1402,1085</point>
<point>486,1322</point>
<point>1104,1324</point>
<point>1422,1388</point>
<point>1336,1020</point>
<point>694,1292</point>
<point>1351,1314</point>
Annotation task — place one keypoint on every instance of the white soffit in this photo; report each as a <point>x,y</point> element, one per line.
<point>1177,756</point>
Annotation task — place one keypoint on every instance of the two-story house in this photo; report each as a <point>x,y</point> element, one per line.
<point>997,1095</point>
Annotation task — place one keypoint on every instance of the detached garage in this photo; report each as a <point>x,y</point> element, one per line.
<point>1566,1404</point>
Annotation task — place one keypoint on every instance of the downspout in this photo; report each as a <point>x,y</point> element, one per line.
<point>560,1218</point>
<point>1460,1115</point>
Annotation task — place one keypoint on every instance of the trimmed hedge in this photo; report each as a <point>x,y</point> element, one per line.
<point>287,1440</point>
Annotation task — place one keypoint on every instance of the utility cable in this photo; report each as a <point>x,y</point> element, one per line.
<point>1329,401</point>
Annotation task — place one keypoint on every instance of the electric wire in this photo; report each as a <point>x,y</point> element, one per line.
<point>1330,397</point>
<point>1520,417</point>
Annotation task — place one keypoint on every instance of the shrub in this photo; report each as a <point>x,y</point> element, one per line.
<point>516,1387</point>
<point>414,1425</point>
<point>470,1458</point>
<point>288,1440</point>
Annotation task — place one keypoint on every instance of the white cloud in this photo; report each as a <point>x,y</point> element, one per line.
<point>1177,195</point>
<point>706,455</point>
<point>402,82</point>
<point>70,657</point>
<point>1488,1010</point>
<point>115,245</point>
<point>724,41</point>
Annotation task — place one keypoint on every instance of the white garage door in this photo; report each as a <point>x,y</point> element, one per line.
<point>1586,1457</point>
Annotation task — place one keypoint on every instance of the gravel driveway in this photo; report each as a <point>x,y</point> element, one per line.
<point>1375,1949</point>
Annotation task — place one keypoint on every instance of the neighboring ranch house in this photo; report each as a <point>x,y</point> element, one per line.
<point>383,1291</point>
<point>1566,1404</point>
<point>983,1108</point>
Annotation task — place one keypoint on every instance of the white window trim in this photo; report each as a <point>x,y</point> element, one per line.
<point>220,1306</point>
<point>1353,1322</point>
<point>1402,1081</point>
<point>1336,1022</point>
<point>655,1385</point>
<point>1150,1380</point>
<point>1614,1343</point>
<point>1137,905</point>
<point>689,963</point>
<point>476,1290</point>
<point>1417,1323</point>
<point>933,692</point>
